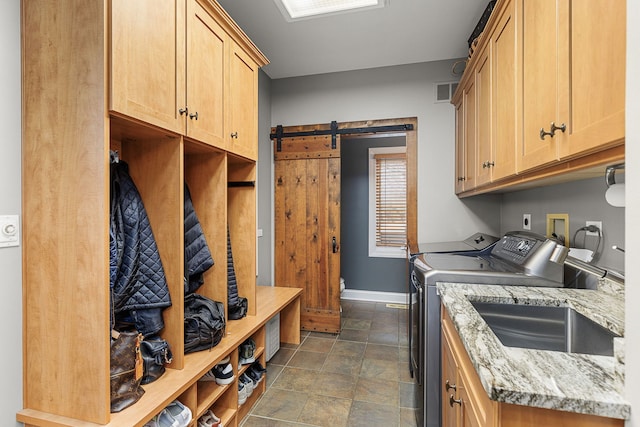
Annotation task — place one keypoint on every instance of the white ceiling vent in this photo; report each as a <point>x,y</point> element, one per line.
<point>444,91</point>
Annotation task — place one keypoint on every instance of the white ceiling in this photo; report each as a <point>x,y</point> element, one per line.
<point>403,32</point>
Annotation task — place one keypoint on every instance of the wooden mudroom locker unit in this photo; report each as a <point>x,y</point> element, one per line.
<point>172,86</point>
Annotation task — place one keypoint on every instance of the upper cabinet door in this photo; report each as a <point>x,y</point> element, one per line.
<point>593,79</point>
<point>505,94</point>
<point>484,145</point>
<point>147,61</point>
<point>206,42</point>
<point>540,82</point>
<point>242,95</point>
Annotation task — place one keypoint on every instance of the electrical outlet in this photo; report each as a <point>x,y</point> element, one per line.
<point>526,221</point>
<point>597,224</point>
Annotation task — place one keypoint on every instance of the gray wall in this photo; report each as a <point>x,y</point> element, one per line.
<point>264,189</point>
<point>583,201</point>
<point>10,204</point>
<point>356,267</point>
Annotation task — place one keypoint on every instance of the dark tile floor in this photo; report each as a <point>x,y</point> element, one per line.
<point>359,377</point>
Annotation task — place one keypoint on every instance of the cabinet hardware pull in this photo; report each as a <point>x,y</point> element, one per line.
<point>234,135</point>
<point>184,110</point>
<point>448,386</point>
<point>484,165</point>
<point>334,244</point>
<point>452,400</point>
<point>553,130</point>
<point>490,164</point>
<point>461,178</point>
<point>193,116</point>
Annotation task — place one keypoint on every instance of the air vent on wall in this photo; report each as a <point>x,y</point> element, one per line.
<point>444,91</point>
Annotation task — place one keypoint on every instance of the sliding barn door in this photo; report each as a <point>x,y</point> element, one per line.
<point>307,226</point>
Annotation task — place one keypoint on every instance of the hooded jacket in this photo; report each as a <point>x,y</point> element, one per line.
<point>137,278</point>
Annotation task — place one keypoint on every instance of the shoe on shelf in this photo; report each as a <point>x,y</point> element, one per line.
<point>242,393</point>
<point>153,422</point>
<point>246,352</point>
<point>249,384</point>
<point>209,419</point>
<point>255,376</point>
<point>256,372</point>
<point>165,419</point>
<point>179,412</point>
<point>221,373</point>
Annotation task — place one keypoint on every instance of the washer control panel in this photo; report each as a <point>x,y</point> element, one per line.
<point>517,246</point>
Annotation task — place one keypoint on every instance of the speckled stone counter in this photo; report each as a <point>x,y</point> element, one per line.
<point>547,379</point>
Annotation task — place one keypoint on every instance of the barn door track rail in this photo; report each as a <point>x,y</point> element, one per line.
<point>333,131</point>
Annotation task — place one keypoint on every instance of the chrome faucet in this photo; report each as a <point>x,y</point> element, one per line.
<point>594,270</point>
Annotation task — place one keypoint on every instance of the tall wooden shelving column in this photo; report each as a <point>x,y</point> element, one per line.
<point>78,104</point>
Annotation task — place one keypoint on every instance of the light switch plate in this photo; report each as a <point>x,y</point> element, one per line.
<point>9,230</point>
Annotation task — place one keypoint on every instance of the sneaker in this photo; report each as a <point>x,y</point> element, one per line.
<point>165,419</point>
<point>179,412</point>
<point>209,419</point>
<point>242,393</point>
<point>222,374</point>
<point>249,384</point>
<point>257,368</point>
<point>246,352</point>
<point>254,374</point>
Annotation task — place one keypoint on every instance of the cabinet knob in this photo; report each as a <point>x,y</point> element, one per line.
<point>234,135</point>
<point>448,386</point>
<point>552,130</point>
<point>453,401</point>
<point>461,178</point>
<point>193,116</point>
<point>183,111</point>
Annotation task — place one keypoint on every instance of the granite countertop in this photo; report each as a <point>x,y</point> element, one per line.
<point>548,379</point>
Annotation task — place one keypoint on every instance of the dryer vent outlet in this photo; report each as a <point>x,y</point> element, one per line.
<point>526,221</point>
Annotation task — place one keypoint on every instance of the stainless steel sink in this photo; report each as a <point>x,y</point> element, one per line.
<point>546,328</point>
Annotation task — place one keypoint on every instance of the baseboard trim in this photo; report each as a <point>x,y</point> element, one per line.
<point>374,296</point>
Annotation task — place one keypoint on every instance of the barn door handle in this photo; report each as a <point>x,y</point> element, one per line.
<point>335,245</point>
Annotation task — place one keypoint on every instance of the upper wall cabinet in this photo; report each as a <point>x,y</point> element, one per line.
<point>242,129</point>
<point>485,108</point>
<point>574,78</point>
<point>160,74</point>
<point>550,84</point>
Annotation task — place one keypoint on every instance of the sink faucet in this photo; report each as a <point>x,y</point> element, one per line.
<point>593,269</point>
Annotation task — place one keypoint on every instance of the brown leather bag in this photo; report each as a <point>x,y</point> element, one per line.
<point>126,369</point>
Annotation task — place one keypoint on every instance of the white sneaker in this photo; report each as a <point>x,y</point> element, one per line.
<point>180,413</point>
<point>242,393</point>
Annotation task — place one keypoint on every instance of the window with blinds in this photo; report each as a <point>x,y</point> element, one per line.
<point>388,202</point>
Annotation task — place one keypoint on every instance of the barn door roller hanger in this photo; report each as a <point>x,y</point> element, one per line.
<point>279,134</point>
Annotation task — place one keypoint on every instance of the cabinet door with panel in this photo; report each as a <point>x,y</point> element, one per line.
<point>243,106</point>
<point>540,82</point>
<point>461,167</point>
<point>592,80</point>
<point>206,45</point>
<point>469,110</point>
<point>504,95</point>
<point>484,145</point>
<point>147,61</point>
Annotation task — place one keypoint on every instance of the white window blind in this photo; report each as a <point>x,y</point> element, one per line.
<point>391,199</point>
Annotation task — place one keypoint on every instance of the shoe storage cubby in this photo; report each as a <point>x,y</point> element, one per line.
<point>78,105</point>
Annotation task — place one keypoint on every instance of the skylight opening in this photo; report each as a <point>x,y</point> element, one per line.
<point>302,9</point>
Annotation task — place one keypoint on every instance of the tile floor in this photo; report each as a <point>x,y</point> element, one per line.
<point>359,377</point>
